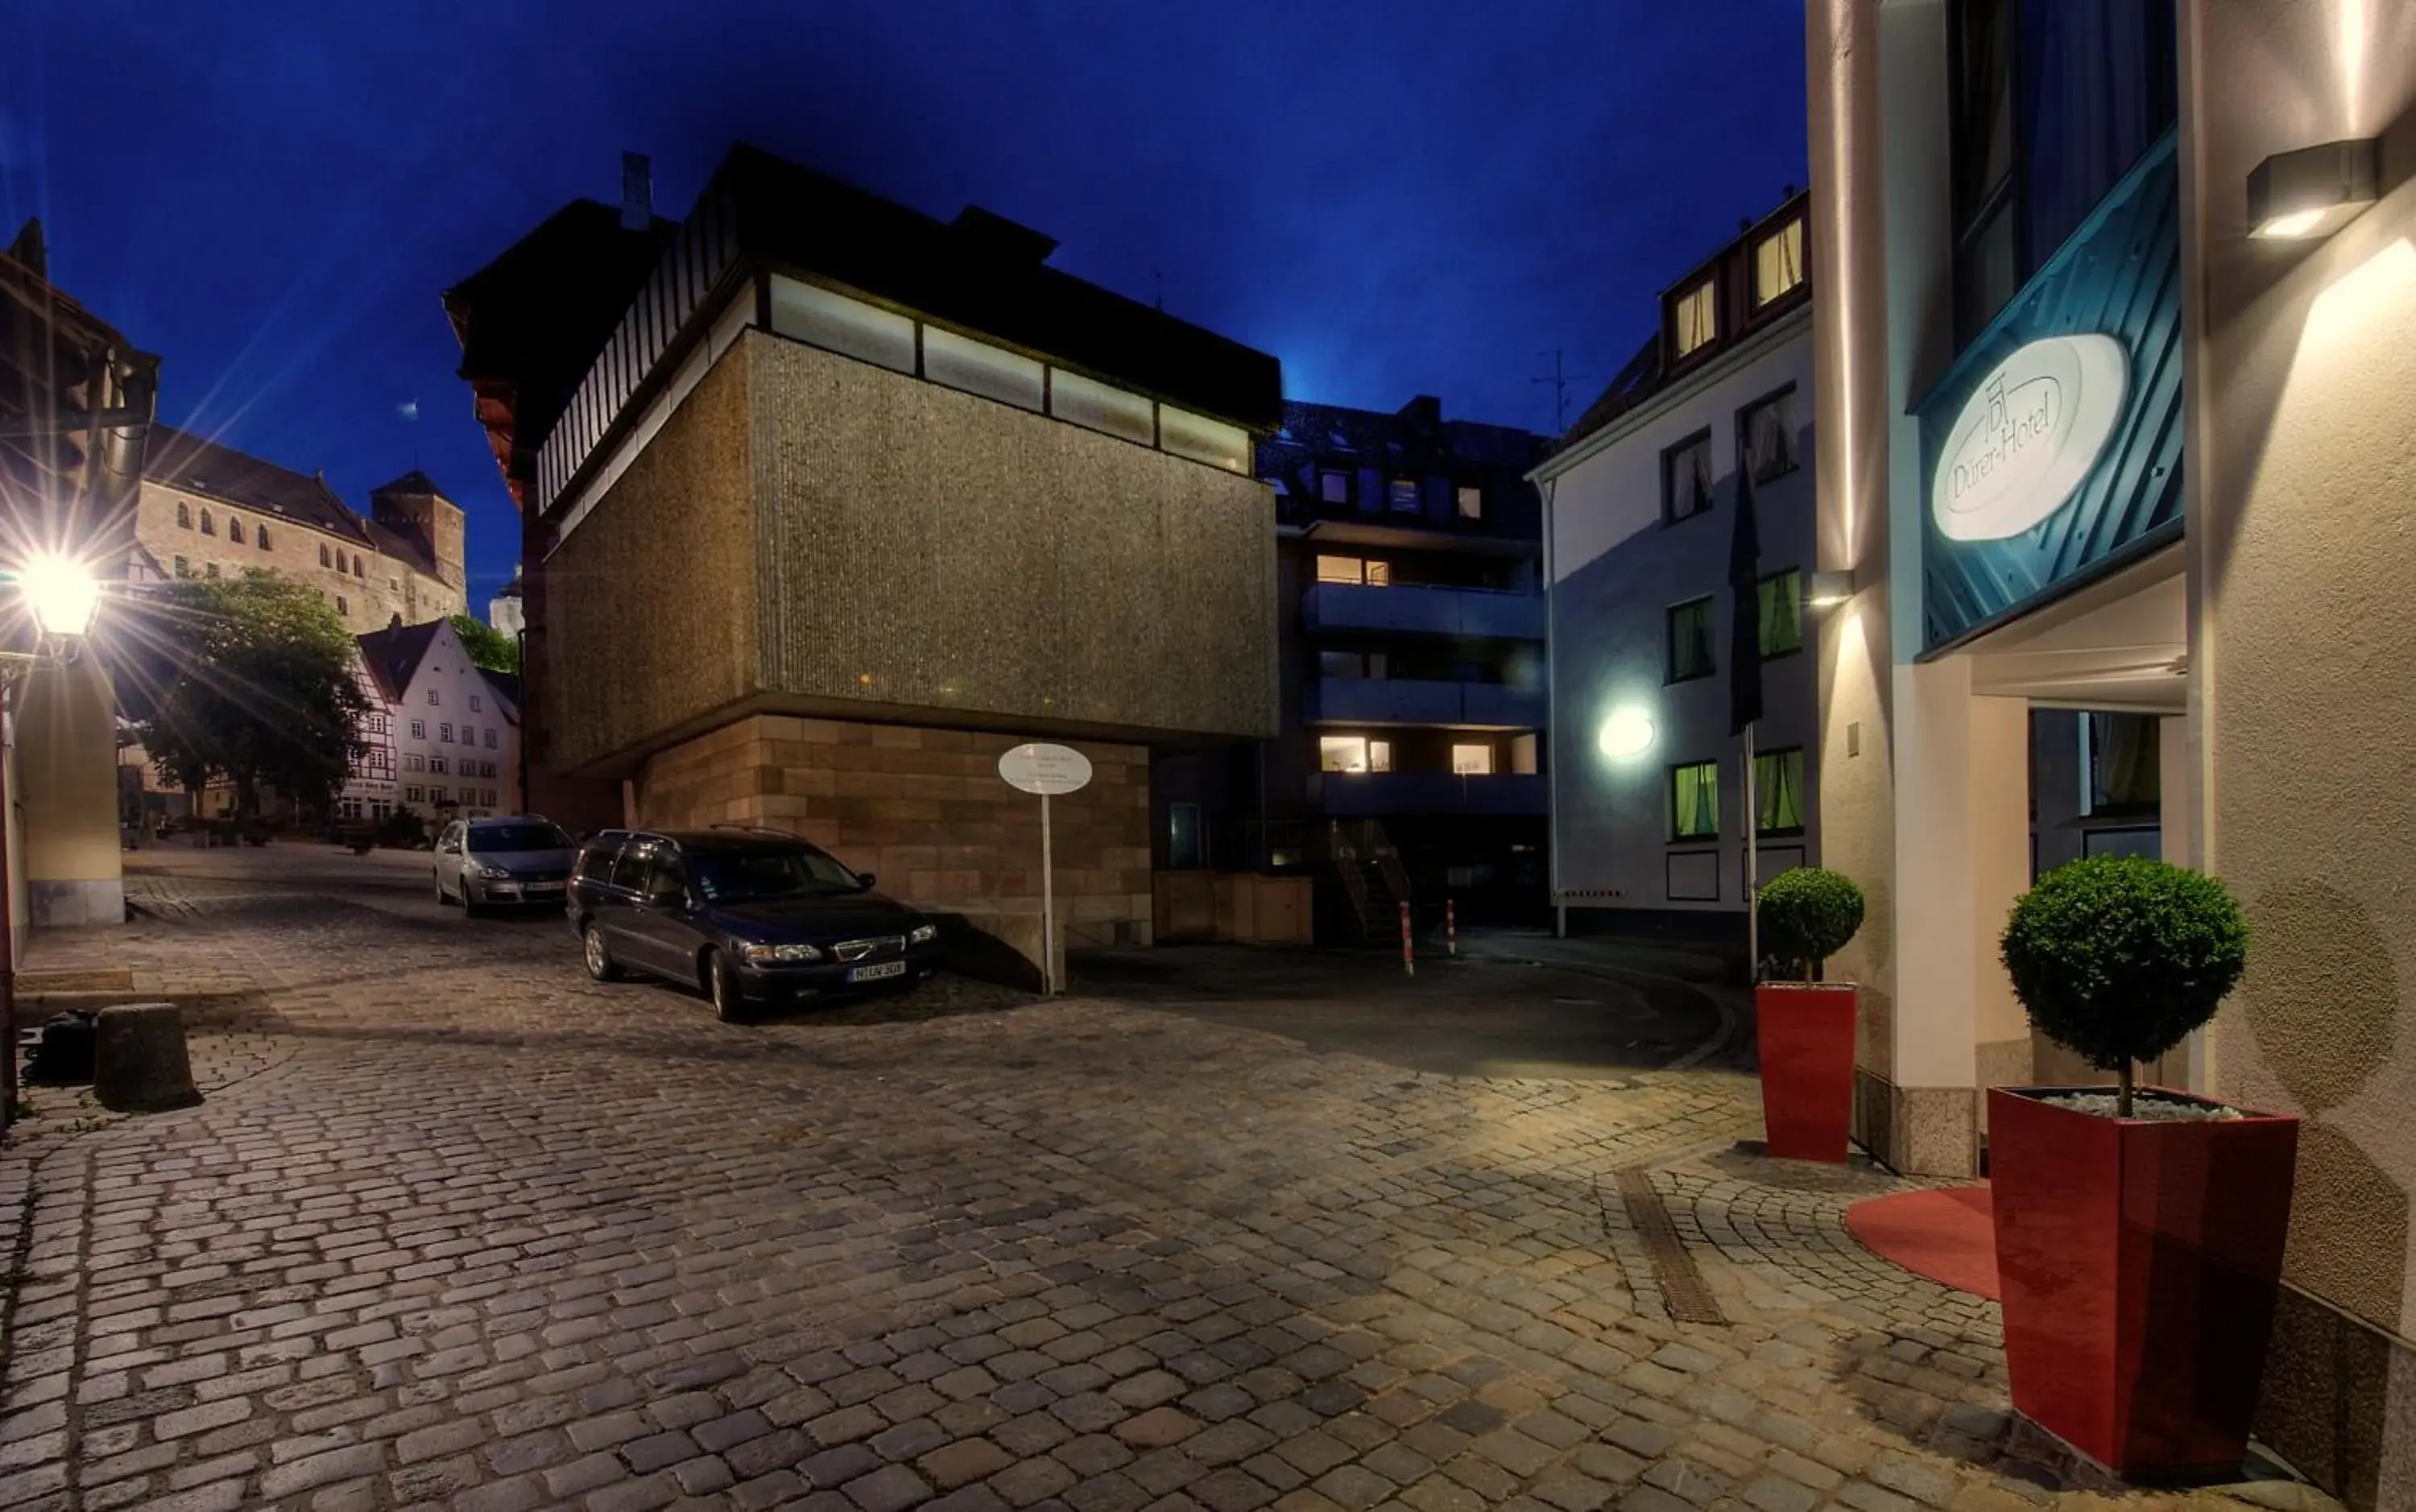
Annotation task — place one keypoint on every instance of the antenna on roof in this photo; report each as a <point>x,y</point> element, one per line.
<point>637,191</point>
<point>1560,382</point>
<point>1159,274</point>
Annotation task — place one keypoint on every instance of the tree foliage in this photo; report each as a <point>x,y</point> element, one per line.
<point>490,648</point>
<point>1807,914</point>
<point>252,682</point>
<point>2118,958</point>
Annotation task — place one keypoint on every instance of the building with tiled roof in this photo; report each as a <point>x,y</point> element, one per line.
<point>207,510</point>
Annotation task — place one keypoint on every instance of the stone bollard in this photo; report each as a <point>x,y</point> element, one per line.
<point>139,1060</point>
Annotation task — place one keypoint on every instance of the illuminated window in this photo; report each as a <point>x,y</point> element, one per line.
<point>1333,488</point>
<point>1203,440</point>
<point>849,326</point>
<point>978,367</point>
<point>1690,640</point>
<point>1100,407</point>
<point>1779,262</point>
<point>1766,433</point>
<point>1472,760</point>
<point>1472,502</point>
<point>1782,613</point>
<point>1686,478</point>
<point>1402,496</point>
<point>1694,800</point>
<point>1779,791</point>
<point>1354,752</point>
<point>1695,318</point>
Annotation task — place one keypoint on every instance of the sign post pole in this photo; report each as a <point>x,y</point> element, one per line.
<point>1048,905</point>
<point>1046,771</point>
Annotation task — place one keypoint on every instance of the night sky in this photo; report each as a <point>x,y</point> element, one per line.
<point>1394,197</point>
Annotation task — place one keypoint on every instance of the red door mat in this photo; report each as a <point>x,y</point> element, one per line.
<point>1949,1236</point>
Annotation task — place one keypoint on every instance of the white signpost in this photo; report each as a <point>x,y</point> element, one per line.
<point>2027,436</point>
<point>1046,769</point>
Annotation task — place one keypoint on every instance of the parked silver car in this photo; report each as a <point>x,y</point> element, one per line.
<point>506,861</point>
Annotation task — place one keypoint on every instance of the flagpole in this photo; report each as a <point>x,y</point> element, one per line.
<point>1752,869</point>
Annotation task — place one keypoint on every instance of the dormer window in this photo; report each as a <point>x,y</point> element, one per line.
<point>1695,318</point>
<point>1779,262</point>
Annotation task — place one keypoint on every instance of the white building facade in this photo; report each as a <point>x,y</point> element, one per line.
<point>451,735</point>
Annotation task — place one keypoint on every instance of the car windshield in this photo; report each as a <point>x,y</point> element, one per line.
<point>752,875</point>
<point>498,839</point>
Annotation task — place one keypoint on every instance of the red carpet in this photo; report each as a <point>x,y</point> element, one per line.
<point>1949,1237</point>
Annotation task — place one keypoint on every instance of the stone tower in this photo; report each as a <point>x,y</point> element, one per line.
<point>413,507</point>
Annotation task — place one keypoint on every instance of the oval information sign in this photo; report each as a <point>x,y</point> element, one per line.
<point>2027,436</point>
<point>1046,769</point>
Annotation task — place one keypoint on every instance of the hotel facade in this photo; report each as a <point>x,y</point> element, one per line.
<point>2112,396</point>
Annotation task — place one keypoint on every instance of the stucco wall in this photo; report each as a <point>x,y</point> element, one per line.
<point>924,546</point>
<point>2303,536</point>
<point>66,769</point>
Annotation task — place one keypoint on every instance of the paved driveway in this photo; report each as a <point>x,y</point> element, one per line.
<point>456,1228</point>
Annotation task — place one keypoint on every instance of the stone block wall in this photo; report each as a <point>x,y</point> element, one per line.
<point>926,810</point>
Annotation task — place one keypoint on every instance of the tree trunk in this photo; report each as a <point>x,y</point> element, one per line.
<point>2122,1104</point>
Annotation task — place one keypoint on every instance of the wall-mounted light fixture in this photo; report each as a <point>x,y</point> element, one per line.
<point>1829,588</point>
<point>1628,732</point>
<point>2314,191</point>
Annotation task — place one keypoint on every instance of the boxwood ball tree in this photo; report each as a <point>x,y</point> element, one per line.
<point>1807,914</point>
<point>2118,958</point>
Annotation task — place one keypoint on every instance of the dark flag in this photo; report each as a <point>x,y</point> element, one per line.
<point>1745,621</point>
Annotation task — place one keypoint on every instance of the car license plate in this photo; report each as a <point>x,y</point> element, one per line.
<point>886,969</point>
<point>542,887</point>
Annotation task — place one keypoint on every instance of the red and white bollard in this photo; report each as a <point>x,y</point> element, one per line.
<point>1409,956</point>
<point>1450,929</point>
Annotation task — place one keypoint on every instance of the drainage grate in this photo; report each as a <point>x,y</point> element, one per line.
<point>1682,1285</point>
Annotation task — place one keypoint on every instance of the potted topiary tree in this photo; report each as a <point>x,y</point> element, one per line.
<point>2139,1233</point>
<point>1805,1028</point>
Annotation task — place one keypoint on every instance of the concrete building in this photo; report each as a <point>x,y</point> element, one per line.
<point>1410,627</point>
<point>828,504</point>
<point>2096,437</point>
<point>444,739</point>
<point>503,609</point>
<point>76,400</point>
<point>1640,503</point>
<point>209,510</point>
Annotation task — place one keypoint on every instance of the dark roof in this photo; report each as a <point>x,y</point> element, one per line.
<point>182,460</point>
<point>414,483</point>
<point>394,654</point>
<point>1635,383</point>
<point>505,683</point>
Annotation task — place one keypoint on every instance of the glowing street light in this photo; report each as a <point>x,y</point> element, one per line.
<point>1628,732</point>
<point>62,593</point>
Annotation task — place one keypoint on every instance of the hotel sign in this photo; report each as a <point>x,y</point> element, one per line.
<point>2029,435</point>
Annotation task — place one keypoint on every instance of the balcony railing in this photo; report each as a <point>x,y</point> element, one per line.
<point>1383,794</point>
<point>1411,609</point>
<point>1338,700</point>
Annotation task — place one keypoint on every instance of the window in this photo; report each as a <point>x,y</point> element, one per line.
<point>431,698</point>
<point>1782,612</point>
<point>1695,318</point>
<point>1694,800</point>
<point>1766,431</point>
<point>1472,502</point>
<point>207,529</point>
<point>1203,440</point>
<point>1354,752</point>
<point>1100,407</point>
<point>1779,791</point>
<point>1690,640</point>
<point>211,570</point>
<point>1686,478</point>
<point>1779,262</point>
<point>259,534</point>
<point>978,367</point>
<point>1183,846</point>
<point>356,566</point>
<point>324,560</point>
<point>184,568</point>
<point>414,795</point>
<point>445,733</point>
<point>490,736</point>
<point>595,862</point>
<point>415,763</point>
<point>419,729</point>
<point>234,528</point>
<point>866,332</point>
<point>184,513</point>
<point>631,870</point>
<point>1353,570</point>
<point>477,706</point>
<point>1333,486</point>
<point>1401,496</point>
<point>1472,760</point>
<point>2122,762</point>
<point>1526,755</point>
<point>342,605</point>
<point>436,764</point>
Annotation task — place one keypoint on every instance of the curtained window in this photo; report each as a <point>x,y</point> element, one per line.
<point>1690,640</point>
<point>1766,429</point>
<point>1779,262</point>
<point>1686,478</point>
<point>1694,800</point>
<point>1778,797</point>
<point>1695,318</point>
<point>1782,612</point>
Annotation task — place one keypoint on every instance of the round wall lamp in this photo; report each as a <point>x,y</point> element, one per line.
<point>1628,732</point>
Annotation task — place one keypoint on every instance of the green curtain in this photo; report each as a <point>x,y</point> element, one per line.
<point>1695,800</point>
<point>1779,790</point>
<point>1782,613</point>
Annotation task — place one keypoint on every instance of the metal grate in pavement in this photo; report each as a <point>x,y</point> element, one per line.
<point>1683,1286</point>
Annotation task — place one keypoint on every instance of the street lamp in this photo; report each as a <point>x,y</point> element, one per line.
<point>63,595</point>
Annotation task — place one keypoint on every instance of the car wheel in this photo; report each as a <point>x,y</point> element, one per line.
<point>721,986</point>
<point>471,907</point>
<point>598,955</point>
<point>443,897</point>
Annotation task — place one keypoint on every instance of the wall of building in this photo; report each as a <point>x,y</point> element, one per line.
<point>1617,569</point>
<point>449,696</point>
<point>66,795</point>
<point>925,811</point>
<point>383,587</point>
<point>2303,541</point>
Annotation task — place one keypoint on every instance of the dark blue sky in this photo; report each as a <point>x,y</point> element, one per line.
<point>1394,196</point>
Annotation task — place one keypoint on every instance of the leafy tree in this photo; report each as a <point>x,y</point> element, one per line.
<point>2118,958</point>
<point>1807,915</point>
<point>488,647</point>
<point>251,679</point>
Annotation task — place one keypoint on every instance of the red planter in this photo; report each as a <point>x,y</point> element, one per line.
<point>2140,1263</point>
<point>1806,1035</point>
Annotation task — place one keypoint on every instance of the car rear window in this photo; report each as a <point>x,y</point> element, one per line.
<point>757,874</point>
<point>631,870</point>
<point>496,838</point>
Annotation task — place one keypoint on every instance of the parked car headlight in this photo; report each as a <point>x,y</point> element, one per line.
<point>780,952</point>
<point>494,873</point>
<point>924,931</point>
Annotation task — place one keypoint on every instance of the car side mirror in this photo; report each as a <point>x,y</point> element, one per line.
<point>864,879</point>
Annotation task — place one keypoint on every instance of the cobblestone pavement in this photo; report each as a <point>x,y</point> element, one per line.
<point>456,1228</point>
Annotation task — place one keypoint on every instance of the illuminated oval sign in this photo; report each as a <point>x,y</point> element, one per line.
<point>2029,435</point>
<point>1628,732</point>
